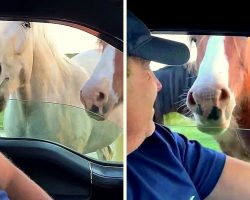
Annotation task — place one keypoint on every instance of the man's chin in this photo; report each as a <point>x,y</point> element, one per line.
<point>151,129</point>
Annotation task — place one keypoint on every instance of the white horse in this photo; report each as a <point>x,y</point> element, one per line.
<point>88,59</point>
<point>33,71</point>
<point>103,92</point>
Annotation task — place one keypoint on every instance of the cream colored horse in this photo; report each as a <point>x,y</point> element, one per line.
<point>33,71</point>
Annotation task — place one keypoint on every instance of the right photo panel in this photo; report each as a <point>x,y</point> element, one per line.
<point>188,95</point>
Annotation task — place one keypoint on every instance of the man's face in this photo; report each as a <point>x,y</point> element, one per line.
<point>142,87</point>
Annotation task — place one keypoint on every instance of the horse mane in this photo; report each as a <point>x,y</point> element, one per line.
<point>191,67</point>
<point>65,64</point>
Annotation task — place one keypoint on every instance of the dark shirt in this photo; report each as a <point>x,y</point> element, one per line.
<point>169,166</point>
<point>176,81</point>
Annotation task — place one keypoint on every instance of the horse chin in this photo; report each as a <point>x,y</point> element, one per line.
<point>212,127</point>
<point>96,116</point>
<point>211,130</point>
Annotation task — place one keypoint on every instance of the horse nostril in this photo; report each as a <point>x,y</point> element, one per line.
<point>191,99</point>
<point>94,109</point>
<point>224,94</point>
<point>100,96</point>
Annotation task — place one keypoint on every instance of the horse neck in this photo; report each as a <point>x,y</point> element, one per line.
<point>54,78</point>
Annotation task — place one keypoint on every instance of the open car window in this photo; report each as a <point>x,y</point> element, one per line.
<point>42,75</point>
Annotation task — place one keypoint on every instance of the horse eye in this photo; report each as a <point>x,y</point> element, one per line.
<point>26,24</point>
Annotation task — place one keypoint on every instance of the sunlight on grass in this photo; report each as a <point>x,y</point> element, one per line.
<point>181,124</point>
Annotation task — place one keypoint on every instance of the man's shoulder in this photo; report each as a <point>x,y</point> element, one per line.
<point>162,129</point>
<point>164,133</point>
<point>161,141</point>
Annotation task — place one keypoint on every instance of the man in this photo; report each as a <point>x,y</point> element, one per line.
<point>17,185</point>
<point>162,164</point>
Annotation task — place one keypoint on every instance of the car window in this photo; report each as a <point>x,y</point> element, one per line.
<point>44,68</point>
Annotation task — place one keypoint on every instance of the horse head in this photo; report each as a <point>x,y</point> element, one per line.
<point>221,83</point>
<point>104,90</point>
<point>16,59</point>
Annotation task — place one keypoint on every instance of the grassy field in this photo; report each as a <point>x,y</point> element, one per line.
<point>184,125</point>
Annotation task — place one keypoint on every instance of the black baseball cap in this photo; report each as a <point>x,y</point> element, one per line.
<point>142,44</point>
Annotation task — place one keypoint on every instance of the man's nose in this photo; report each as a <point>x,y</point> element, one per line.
<point>158,83</point>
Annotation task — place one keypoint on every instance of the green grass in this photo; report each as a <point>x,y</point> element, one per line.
<point>178,123</point>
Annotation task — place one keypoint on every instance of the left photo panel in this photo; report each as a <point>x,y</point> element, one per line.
<point>61,100</point>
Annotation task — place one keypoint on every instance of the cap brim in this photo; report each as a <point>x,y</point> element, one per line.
<point>163,51</point>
